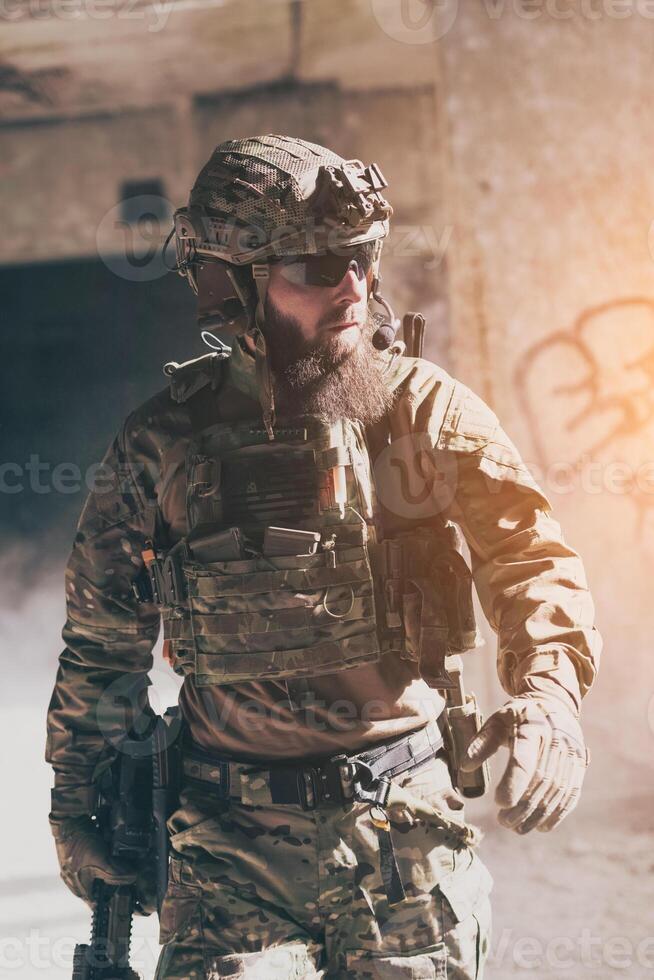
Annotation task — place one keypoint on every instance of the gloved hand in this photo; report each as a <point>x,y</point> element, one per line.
<point>84,856</point>
<point>547,761</point>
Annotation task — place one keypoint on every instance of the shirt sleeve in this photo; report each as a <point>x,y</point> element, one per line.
<point>101,685</point>
<point>531,584</point>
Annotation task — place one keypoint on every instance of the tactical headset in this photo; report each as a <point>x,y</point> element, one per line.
<point>218,254</point>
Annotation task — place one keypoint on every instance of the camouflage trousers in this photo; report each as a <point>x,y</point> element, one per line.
<point>273,892</point>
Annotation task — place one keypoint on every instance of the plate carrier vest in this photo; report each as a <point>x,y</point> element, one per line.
<point>285,571</point>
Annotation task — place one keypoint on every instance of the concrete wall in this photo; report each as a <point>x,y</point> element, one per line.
<point>140,103</point>
<point>550,193</point>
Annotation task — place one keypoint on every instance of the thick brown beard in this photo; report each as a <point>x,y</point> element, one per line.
<point>331,380</point>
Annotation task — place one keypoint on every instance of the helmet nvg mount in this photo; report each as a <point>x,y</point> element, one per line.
<point>269,197</point>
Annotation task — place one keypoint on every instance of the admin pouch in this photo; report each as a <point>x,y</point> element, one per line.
<point>427,597</point>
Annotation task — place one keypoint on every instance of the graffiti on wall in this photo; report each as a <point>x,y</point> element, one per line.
<point>587,392</point>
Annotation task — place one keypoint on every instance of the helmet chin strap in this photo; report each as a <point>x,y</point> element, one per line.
<point>260,274</point>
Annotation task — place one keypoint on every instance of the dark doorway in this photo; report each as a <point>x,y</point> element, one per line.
<point>83,346</point>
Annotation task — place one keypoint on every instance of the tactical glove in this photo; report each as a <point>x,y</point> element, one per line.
<point>547,761</point>
<point>84,856</point>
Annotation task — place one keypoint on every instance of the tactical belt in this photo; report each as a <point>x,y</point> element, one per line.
<point>364,777</point>
<point>340,779</point>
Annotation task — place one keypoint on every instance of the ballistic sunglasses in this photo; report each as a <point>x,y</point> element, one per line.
<point>327,268</point>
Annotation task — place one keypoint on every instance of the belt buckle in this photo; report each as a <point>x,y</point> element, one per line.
<point>369,788</point>
<point>308,786</point>
<point>337,779</point>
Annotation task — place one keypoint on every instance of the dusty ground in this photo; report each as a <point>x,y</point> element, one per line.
<point>578,902</point>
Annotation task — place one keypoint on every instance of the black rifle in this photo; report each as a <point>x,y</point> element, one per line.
<point>136,795</point>
<point>106,957</point>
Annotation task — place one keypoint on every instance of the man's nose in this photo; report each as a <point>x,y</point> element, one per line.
<point>351,287</point>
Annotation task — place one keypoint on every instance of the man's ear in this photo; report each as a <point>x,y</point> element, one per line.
<point>247,343</point>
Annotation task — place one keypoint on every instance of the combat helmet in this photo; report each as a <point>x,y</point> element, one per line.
<point>260,199</point>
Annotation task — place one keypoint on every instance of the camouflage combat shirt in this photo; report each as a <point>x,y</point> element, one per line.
<point>530,583</point>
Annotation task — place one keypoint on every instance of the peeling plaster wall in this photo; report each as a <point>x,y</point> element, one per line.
<point>144,103</point>
<point>550,191</point>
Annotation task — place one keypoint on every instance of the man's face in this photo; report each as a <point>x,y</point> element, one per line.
<point>331,317</point>
<point>319,341</point>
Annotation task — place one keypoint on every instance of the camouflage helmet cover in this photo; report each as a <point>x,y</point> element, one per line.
<point>278,195</point>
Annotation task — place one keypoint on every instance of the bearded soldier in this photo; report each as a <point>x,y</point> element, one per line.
<point>292,510</point>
